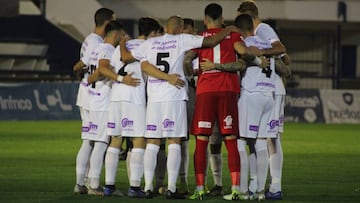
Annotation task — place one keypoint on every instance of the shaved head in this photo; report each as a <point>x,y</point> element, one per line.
<point>174,25</point>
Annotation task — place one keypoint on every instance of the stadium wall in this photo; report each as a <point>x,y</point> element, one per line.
<point>56,101</point>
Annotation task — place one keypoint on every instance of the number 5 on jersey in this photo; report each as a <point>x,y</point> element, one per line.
<point>161,62</point>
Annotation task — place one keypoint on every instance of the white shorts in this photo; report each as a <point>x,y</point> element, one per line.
<point>255,113</point>
<point>85,119</point>
<point>279,111</point>
<point>166,120</point>
<point>97,126</point>
<point>126,119</point>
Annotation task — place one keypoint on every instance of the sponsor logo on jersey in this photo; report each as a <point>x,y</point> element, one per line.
<point>127,123</point>
<point>273,123</point>
<point>204,124</point>
<point>151,127</point>
<point>254,128</point>
<point>92,126</point>
<point>111,125</point>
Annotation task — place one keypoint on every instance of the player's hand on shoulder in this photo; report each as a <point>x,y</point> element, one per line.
<point>175,80</point>
<point>207,65</point>
<point>265,62</point>
<point>124,39</point>
<point>129,80</point>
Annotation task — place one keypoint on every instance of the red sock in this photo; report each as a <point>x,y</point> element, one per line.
<point>233,161</point>
<point>200,161</point>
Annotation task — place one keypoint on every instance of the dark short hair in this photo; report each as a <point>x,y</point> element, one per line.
<point>102,15</point>
<point>189,21</point>
<point>244,22</point>
<point>250,8</point>
<point>113,25</point>
<point>148,25</point>
<point>214,11</point>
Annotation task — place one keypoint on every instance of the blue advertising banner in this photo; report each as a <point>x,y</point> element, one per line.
<point>303,106</point>
<point>38,101</point>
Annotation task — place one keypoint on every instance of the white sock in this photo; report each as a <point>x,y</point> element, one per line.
<point>150,158</point>
<point>244,166</point>
<point>262,160</point>
<point>96,163</point>
<point>161,166</point>
<point>276,164</point>
<point>173,165</point>
<point>136,166</point>
<point>253,172</point>
<point>215,161</point>
<point>184,166</point>
<point>111,165</point>
<point>82,161</point>
<point>128,158</point>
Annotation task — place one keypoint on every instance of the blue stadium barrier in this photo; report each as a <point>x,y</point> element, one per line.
<point>38,101</point>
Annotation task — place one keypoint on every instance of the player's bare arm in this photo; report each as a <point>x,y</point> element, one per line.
<point>239,65</point>
<point>187,63</point>
<point>216,39</point>
<point>286,59</point>
<point>250,55</point>
<point>207,65</point>
<point>125,54</point>
<point>282,69</point>
<point>95,76</point>
<point>79,70</point>
<point>106,71</point>
<point>277,48</point>
<point>151,70</point>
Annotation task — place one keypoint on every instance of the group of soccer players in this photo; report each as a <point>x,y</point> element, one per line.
<point>140,89</point>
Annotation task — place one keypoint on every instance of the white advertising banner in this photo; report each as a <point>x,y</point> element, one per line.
<point>341,106</point>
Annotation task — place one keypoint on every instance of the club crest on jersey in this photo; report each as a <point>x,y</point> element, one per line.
<point>228,122</point>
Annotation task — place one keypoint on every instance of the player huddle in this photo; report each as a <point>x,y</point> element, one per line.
<point>141,89</point>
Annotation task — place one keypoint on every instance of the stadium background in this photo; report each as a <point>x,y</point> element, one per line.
<point>40,42</point>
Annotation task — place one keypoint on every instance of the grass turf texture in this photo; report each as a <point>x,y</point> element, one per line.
<point>37,164</point>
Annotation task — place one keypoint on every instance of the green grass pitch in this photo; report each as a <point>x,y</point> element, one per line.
<point>37,164</point>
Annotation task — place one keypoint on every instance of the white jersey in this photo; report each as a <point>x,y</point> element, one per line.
<point>265,32</point>
<point>167,53</point>
<point>90,42</point>
<point>123,92</point>
<point>255,78</point>
<point>99,91</point>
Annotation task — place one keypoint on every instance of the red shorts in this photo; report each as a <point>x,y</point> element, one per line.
<point>220,107</point>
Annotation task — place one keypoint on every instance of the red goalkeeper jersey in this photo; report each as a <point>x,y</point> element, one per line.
<point>217,81</point>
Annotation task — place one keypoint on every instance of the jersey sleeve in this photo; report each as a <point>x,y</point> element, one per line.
<point>191,41</point>
<point>91,44</point>
<point>267,33</point>
<point>115,59</point>
<point>105,54</point>
<point>139,53</point>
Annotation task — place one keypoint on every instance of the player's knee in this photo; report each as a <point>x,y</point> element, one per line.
<point>116,142</point>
